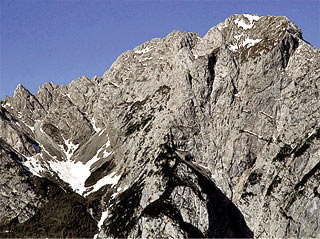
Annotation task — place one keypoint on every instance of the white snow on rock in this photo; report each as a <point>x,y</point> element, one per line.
<point>73,173</point>
<point>30,127</point>
<point>108,179</point>
<point>145,50</point>
<point>237,37</point>
<point>114,84</point>
<point>145,59</point>
<point>94,121</point>
<point>233,48</point>
<point>250,42</point>
<point>8,104</point>
<point>100,223</point>
<point>34,166</point>
<point>252,18</point>
<point>106,153</point>
<point>41,130</point>
<point>70,148</point>
<point>76,173</point>
<point>245,43</point>
<point>242,24</point>
<point>245,26</point>
<point>101,132</point>
<point>103,218</point>
<point>119,189</point>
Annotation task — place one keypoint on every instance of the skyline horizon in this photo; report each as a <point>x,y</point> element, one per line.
<point>79,44</point>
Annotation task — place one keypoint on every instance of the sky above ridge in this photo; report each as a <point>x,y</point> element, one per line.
<point>60,40</point>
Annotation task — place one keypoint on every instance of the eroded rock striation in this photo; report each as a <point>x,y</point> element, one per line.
<point>184,136</point>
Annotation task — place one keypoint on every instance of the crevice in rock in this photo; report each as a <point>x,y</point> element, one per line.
<point>275,183</point>
<point>308,175</point>
<point>225,220</point>
<point>212,60</point>
<point>288,46</point>
<point>234,91</point>
<point>124,213</point>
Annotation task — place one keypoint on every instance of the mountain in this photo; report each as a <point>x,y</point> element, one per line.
<point>184,136</point>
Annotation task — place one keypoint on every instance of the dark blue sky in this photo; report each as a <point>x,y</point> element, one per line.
<point>59,40</point>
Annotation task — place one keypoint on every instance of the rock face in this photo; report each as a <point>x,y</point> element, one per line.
<point>184,136</point>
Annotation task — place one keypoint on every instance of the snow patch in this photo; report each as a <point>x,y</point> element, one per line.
<point>119,189</point>
<point>114,84</point>
<point>34,166</point>
<point>109,179</point>
<point>245,26</point>
<point>250,42</point>
<point>237,37</point>
<point>30,127</point>
<point>9,105</point>
<point>245,43</point>
<point>145,50</point>
<point>101,132</point>
<point>145,59</point>
<point>252,18</point>
<point>102,219</point>
<point>104,216</point>
<point>70,148</point>
<point>93,122</point>
<point>41,130</point>
<point>233,48</point>
<point>237,94</point>
<point>76,173</point>
<point>105,154</point>
<point>242,24</point>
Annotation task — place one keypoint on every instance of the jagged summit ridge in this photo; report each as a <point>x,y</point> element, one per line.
<point>250,35</point>
<point>184,136</point>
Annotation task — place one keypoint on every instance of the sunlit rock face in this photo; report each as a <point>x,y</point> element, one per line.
<point>184,136</point>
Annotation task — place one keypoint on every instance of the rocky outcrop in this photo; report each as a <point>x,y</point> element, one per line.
<point>184,136</point>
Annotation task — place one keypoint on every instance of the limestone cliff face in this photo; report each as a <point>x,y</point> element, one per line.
<point>184,136</point>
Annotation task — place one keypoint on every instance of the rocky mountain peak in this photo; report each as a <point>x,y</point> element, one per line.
<point>250,35</point>
<point>184,136</point>
<point>21,91</point>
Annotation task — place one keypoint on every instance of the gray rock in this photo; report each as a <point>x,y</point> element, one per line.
<point>19,198</point>
<point>214,136</point>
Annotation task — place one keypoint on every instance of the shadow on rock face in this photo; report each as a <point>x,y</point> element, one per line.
<point>224,218</point>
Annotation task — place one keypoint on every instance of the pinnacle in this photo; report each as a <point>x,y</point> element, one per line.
<point>21,90</point>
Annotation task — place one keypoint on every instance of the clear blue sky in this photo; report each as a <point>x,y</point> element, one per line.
<point>60,40</point>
